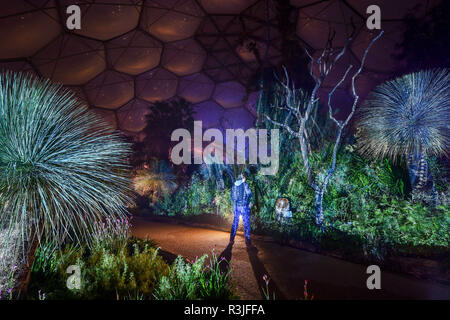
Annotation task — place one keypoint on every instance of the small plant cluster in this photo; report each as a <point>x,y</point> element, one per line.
<point>155,180</point>
<point>120,267</point>
<point>197,280</point>
<point>129,269</point>
<point>111,232</point>
<point>199,196</point>
<point>307,295</point>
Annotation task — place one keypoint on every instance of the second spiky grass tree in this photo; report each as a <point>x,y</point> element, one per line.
<point>408,118</point>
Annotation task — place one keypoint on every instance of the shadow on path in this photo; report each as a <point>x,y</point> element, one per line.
<point>259,271</point>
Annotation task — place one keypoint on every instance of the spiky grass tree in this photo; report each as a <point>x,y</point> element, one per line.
<point>155,178</point>
<point>408,118</point>
<point>62,168</point>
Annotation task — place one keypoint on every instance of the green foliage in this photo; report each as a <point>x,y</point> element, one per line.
<point>196,281</point>
<point>365,206</point>
<point>199,196</point>
<point>274,105</point>
<point>62,170</point>
<point>155,179</point>
<point>120,273</point>
<point>440,170</point>
<point>126,269</point>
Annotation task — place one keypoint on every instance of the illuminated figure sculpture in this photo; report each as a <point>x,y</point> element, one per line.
<point>282,210</point>
<point>241,195</point>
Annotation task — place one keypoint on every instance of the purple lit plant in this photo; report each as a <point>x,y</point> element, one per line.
<point>266,289</point>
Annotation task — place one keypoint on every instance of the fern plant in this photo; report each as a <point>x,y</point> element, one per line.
<point>62,168</point>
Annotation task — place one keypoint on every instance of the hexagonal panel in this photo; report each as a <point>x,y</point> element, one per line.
<point>162,21</point>
<point>195,88</point>
<point>71,60</point>
<point>134,52</point>
<point>339,69</point>
<point>131,116</point>
<point>229,94</point>
<point>237,118</point>
<point>227,58</point>
<point>301,3</point>
<point>105,20</point>
<point>391,10</point>
<point>183,57</point>
<point>24,30</point>
<point>341,101</point>
<point>226,7</point>
<point>16,66</point>
<point>381,56</point>
<point>79,93</point>
<point>241,72</point>
<point>156,85</point>
<point>252,103</point>
<point>110,90</point>
<point>266,10</point>
<point>249,48</point>
<point>209,112</point>
<point>314,22</point>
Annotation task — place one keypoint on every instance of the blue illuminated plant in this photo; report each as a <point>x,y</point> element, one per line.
<point>408,118</point>
<point>156,178</point>
<point>62,168</point>
<point>407,115</point>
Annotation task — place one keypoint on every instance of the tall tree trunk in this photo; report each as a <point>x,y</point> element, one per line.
<point>24,277</point>
<point>318,207</point>
<point>420,177</point>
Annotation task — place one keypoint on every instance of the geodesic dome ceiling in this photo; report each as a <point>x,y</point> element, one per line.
<point>130,53</point>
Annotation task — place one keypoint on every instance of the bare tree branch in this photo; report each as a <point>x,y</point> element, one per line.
<point>324,64</point>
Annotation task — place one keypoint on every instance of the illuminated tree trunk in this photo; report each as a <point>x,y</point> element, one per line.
<point>319,70</point>
<point>420,177</point>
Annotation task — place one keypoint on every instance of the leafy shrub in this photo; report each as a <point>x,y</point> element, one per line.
<point>120,273</point>
<point>199,196</point>
<point>155,179</point>
<point>125,270</point>
<point>195,281</point>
